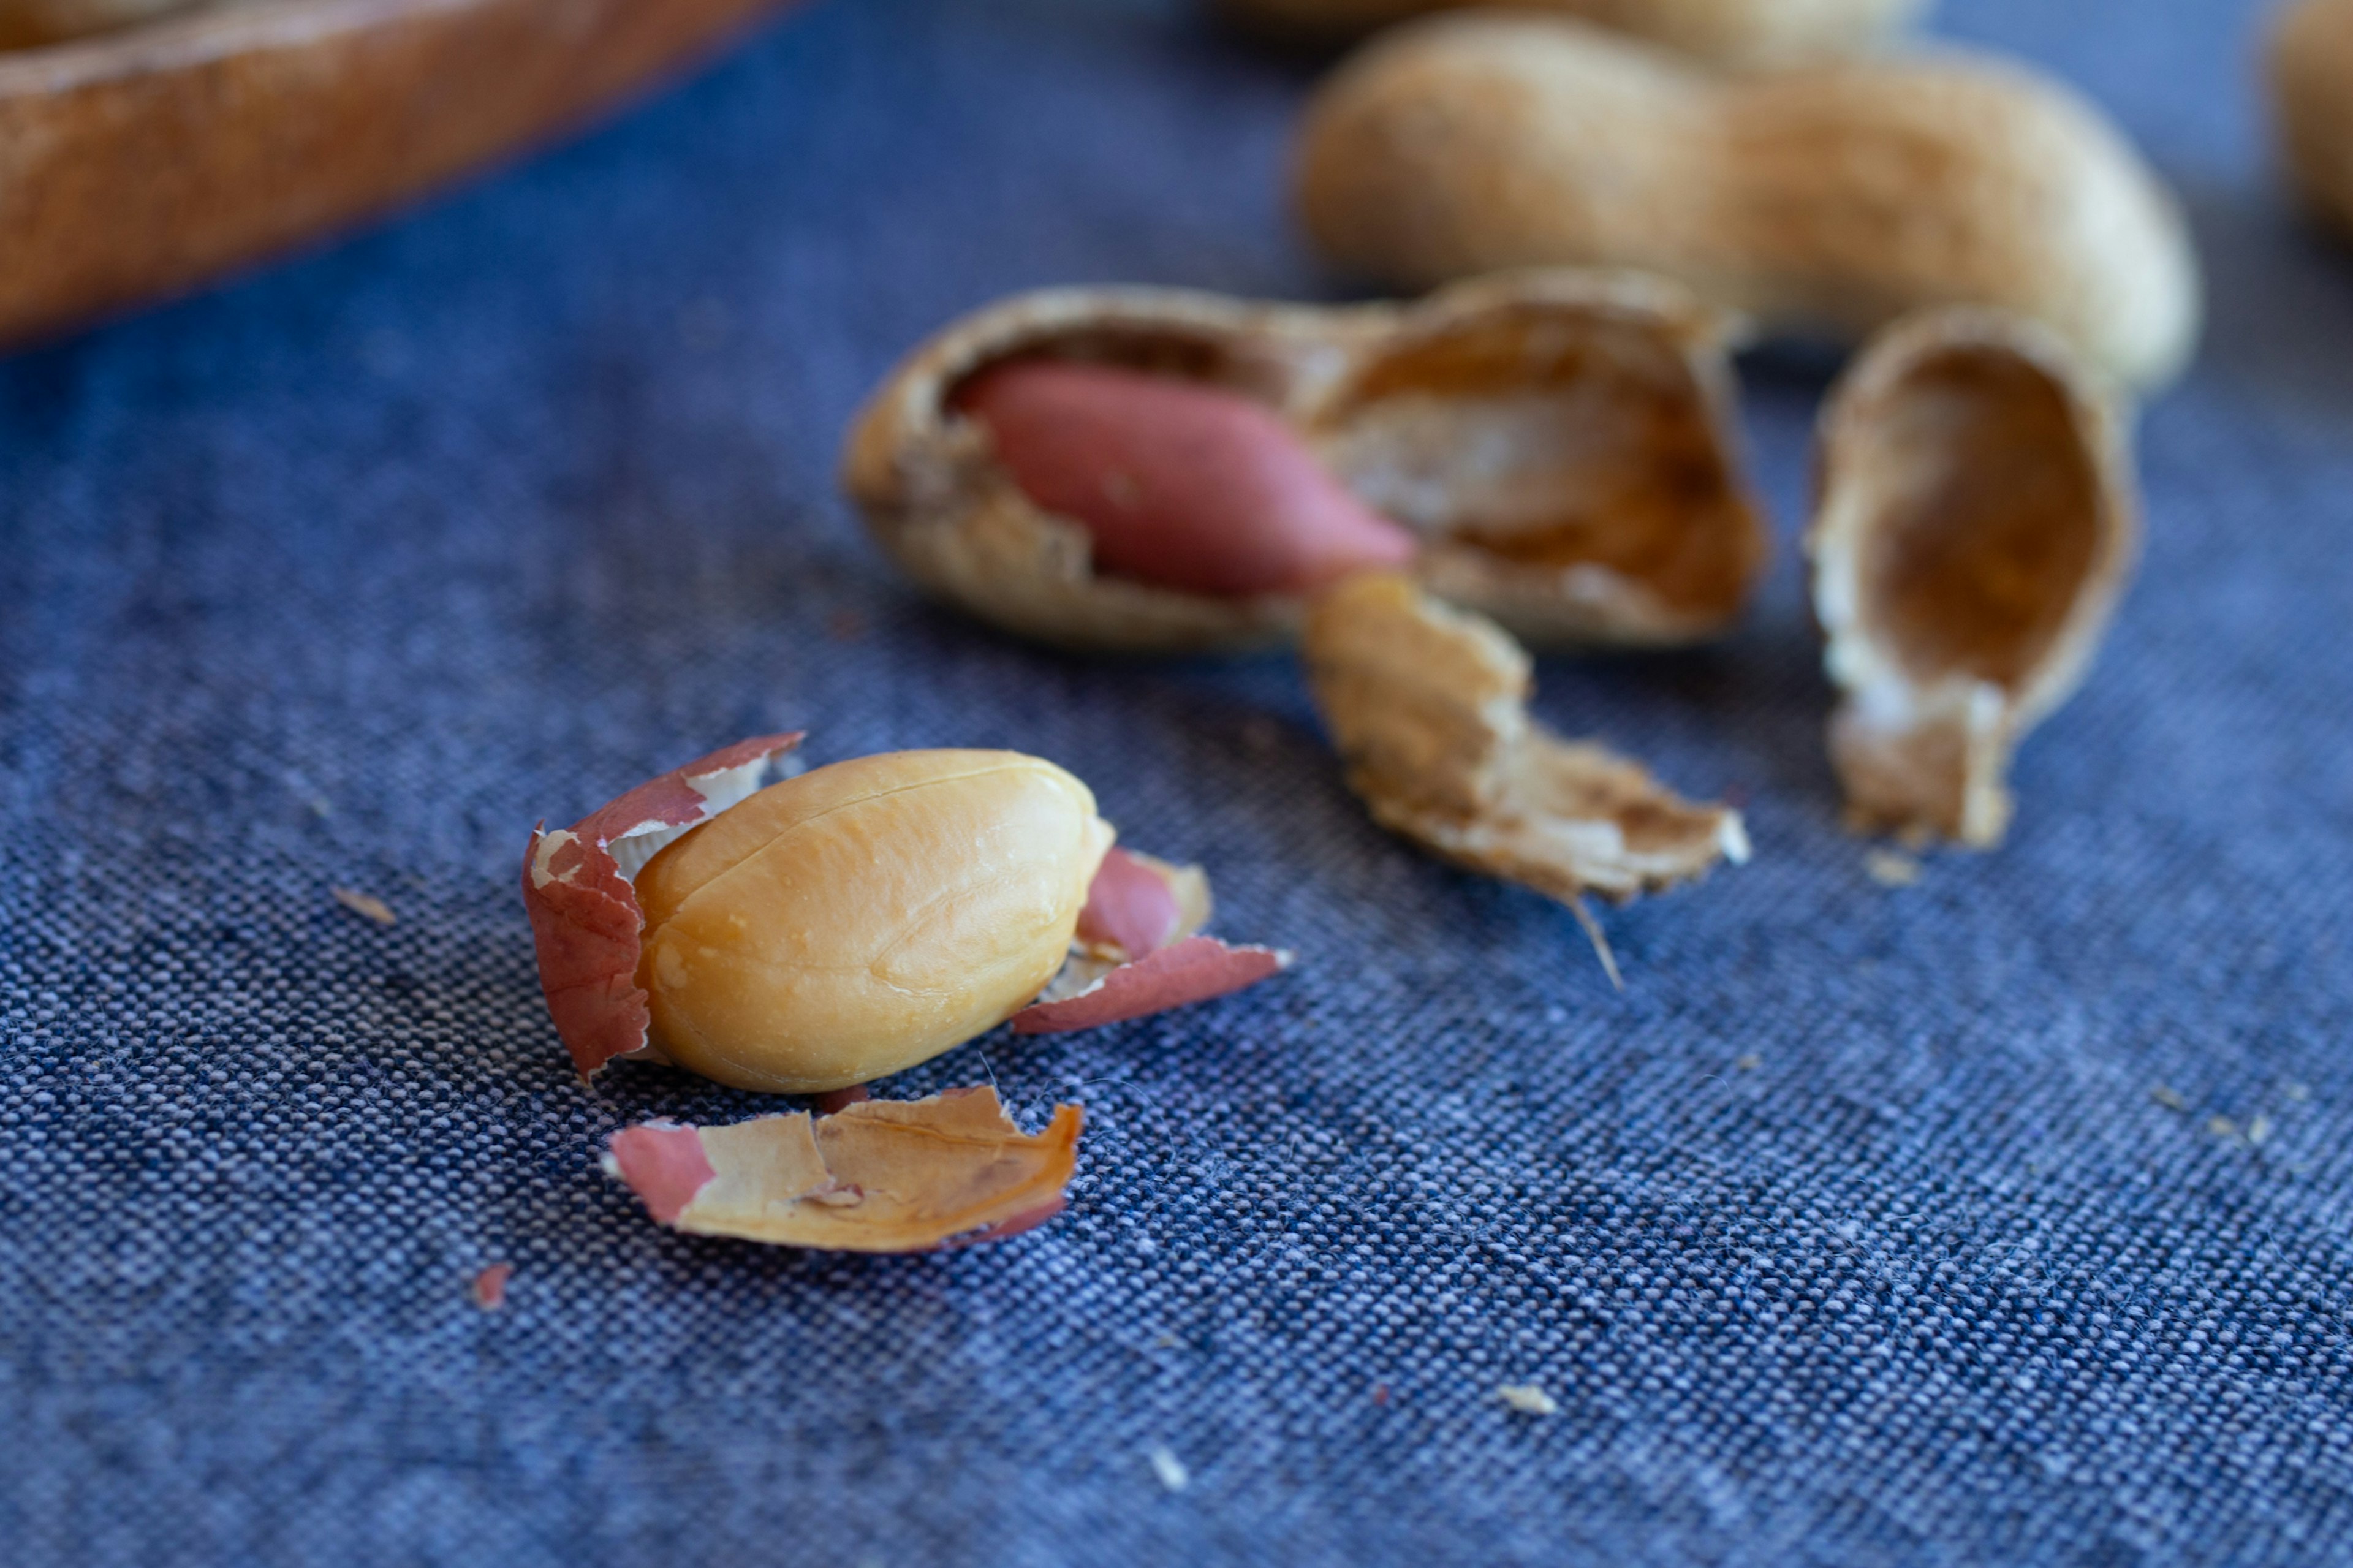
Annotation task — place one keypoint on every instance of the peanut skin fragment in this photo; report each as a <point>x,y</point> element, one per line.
<point>1428,706</point>
<point>1131,908</point>
<point>1197,969</point>
<point>1180,486</point>
<point>877,1176</point>
<point>577,887</point>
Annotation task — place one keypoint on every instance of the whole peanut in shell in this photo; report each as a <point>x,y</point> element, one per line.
<point>1748,32</point>
<point>864,917</point>
<point>2312,85</point>
<point>1829,199</point>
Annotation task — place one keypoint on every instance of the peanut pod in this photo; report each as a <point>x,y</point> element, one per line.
<point>1559,444</point>
<point>1976,527</point>
<point>1828,199</point>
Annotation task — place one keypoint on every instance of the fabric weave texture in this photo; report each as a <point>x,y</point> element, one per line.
<point>1999,1219</point>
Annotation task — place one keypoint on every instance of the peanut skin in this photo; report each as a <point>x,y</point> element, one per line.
<point>1745,32</point>
<point>1828,199</point>
<point>1181,486</point>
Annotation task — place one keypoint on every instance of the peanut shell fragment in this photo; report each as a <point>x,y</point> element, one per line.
<point>1829,199</point>
<point>1560,445</point>
<point>1976,527</point>
<point>880,1176</point>
<point>1428,706</point>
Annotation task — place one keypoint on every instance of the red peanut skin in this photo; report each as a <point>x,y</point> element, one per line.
<point>1180,485</point>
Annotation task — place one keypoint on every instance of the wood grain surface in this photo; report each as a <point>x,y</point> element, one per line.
<point>142,163</point>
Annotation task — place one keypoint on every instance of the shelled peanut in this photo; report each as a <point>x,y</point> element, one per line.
<point>1828,199</point>
<point>850,922</point>
<point>1148,470</point>
<point>1743,31</point>
<point>2312,88</point>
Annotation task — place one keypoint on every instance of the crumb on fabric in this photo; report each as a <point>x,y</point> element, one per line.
<point>2221,1127</point>
<point>2169,1097</point>
<point>1174,1476</point>
<point>2297,1092</point>
<point>1891,869</point>
<point>1381,1393</point>
<point>365,905</point>
<point>2259,1129</point>
<point>489,1288</point>
<point>1528,1399</point>
<point>1749,1063</point>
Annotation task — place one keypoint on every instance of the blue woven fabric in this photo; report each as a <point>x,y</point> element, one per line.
<point>1999,1219</point>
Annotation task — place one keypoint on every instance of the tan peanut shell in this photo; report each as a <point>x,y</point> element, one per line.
<point>1428,706</point>
<point>1747,32</point>
<point>1829,199</point>
<point>1977,524</point>
<point>1560,442</point>
<point>2312,84</point>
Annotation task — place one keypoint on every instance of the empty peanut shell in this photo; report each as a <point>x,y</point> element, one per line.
<point>1560,445</point>
<point>1827,199</point>
<point>1977,525</point>
<point>1428,706</point>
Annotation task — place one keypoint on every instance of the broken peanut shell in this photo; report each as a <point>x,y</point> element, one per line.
<point>1975,525</point>
<point>1745,32</point>
<point>1428,706</point>
<point>854,921</point>
<point>1560,443</point>
<point>2312,92</point>
<point>1823,200</point>
<point>879,1176</point>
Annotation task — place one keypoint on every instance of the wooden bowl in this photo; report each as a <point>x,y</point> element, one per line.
<point>140,164</point>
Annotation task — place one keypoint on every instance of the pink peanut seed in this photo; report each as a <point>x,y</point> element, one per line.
<point>1180,485</point>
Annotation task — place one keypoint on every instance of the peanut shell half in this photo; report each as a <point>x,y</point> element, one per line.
<point>1977,524</point>
<point>1428,708</point>
<point>1560,442</point>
